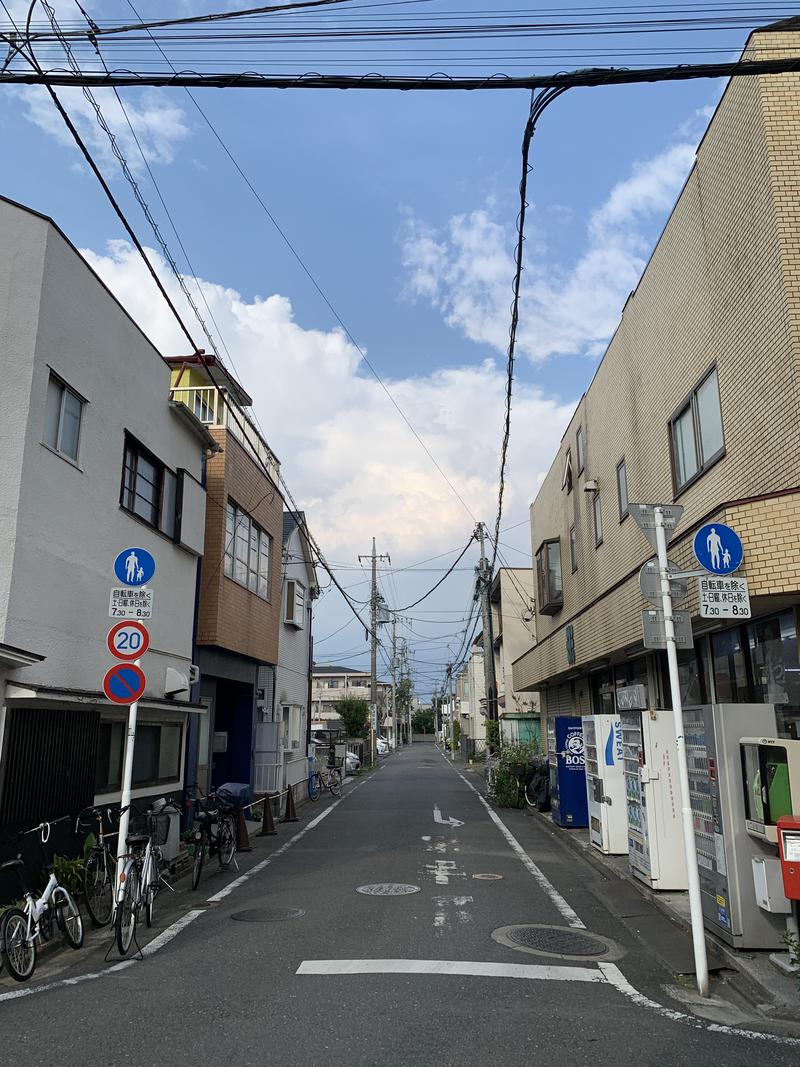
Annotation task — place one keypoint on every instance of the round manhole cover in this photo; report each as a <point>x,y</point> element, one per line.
<point>563,942</point>
<point>387,889</point>
<point>488,877</point>
<point>267,915</point>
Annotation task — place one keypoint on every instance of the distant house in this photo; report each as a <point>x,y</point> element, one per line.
<point>332,684</point>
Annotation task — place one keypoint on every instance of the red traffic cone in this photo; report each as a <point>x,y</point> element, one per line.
<point>291,814</point>
<point>268,826</point>
<point>242,836</point>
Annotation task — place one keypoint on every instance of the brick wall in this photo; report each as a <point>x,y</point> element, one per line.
<point>231,616</point>
<point>722,286</point>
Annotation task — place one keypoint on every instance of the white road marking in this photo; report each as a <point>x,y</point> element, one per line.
<point>426,837</point>
<point>457,967</point>
<point>229,888</point>
<point>544,882</point>
<point>450,821</point>
<point>444,870</point>
<point>158,942</point>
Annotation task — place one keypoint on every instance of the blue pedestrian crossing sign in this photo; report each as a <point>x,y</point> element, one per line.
<point>718,549</point>
<point>134,566</point>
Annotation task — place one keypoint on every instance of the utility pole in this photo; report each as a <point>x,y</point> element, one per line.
<point>483,585</point>
<point>394,680</point>
<point>373,659</point>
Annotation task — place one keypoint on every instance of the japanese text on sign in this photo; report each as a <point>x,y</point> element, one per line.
<point>724,598</point>
<point>130,603</point>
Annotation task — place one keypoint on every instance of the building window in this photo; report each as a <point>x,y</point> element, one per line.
<point>622,489</point>
<point>566,481</point>
<point>573,549</point>
<point>598,519</point>
<point>579,450</point>
<point>62,421</point>
<point>548,577</point>
<point>247,551</point>
<point>295,603</point>
<point>156,758</point>
<point>290,726</point>
<point>149,489</point>
<point>696,432</point>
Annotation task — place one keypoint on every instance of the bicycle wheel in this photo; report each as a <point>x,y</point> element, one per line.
<point>98,887</point>
<point>226,841</point>
<point>199,856</point>
<point>68,917</point>
<point>313,786</point>
<point>530,798</point>
<point>334,781</point>
<point>20,952</point>
<point>125,919</point>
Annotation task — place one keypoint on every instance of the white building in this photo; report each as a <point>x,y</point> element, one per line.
<point>471,700</point>
<point>513,633</point>
<point>293,673</point>
<point>332,684</point>
<point>95,459</point>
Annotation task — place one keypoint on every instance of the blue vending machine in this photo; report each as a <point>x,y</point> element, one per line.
<point>568,803</point>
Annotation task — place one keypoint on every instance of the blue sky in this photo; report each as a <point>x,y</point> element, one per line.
<point>403,207</point>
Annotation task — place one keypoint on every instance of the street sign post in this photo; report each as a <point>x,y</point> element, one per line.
<point>128,640</point>
<point>718,548</point>
<point>124,683</point>
<point>130,603</point>
<point>644,517</point>
<point>724,598</point>
<point>650,582</point>
<point>656,522</point>
<point>134,566</point>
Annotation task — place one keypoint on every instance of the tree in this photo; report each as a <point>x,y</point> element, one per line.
<point>354,713</point>
<point>422,721</point>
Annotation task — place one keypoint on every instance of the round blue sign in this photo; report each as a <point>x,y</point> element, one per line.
<point>718,548</point>
<point>134,566</point>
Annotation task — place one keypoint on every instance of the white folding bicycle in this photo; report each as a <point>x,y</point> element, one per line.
<point>21,927</point>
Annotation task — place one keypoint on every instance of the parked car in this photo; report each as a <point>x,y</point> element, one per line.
<point>352,763</point>
<point>382,745</point>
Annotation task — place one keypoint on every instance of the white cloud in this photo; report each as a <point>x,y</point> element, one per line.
<point>160,126</point>
<point>347,456</point>
<point>466,272</point>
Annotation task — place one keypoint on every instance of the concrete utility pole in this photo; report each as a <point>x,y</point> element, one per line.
<point>483,586</point>
<point>373,660</point>
<point>394,679</point>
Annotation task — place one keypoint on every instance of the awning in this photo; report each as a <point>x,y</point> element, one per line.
<point>17,657</point>
<point>18,695</point>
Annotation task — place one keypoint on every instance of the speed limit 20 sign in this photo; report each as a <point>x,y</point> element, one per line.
<point>128,640</point>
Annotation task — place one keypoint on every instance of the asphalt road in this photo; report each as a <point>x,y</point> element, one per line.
<point>414,979</point>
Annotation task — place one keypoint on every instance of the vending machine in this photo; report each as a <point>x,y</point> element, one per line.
<point>719,790</point>
<point>565,753</point>
<point>652,794</point>
<point>605,784</point>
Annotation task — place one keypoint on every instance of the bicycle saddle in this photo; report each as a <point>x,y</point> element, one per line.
<point>11,863</point>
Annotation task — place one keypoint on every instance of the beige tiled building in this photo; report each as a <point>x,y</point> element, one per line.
<point>697,402</point>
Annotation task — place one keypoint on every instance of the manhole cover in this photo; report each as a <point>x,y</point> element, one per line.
<point>387,889</point>
<point>267,915</point>
<point>562,941</point>
<point>488,877</point>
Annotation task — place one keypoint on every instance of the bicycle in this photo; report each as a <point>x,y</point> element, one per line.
<point>222,841</point>
<point>141,878</point>
<point>22,926</point>
<point>332,780</point>
<point>99,871</point>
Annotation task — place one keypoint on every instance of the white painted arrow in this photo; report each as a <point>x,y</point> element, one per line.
<point>437,817</point>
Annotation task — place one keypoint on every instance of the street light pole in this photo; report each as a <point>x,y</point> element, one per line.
<point>693,877</point>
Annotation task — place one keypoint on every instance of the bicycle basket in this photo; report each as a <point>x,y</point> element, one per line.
<point>156,827</point>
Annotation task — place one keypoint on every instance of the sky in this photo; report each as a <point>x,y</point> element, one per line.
<point>402,208</point>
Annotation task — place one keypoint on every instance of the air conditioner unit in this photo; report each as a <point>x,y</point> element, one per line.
<point>175,683</point>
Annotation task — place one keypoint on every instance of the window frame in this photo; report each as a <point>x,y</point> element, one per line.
<point>573,549</point>
<point>690,403</point>
<point>597,508</point>
<point>253,579</point>
<point>56,448</point>
<point>623,513</point>
<point>568,477</point>
<point>548,604</point>
<point>295,619</point>
<point>164,473</point>
<point>580,449</point>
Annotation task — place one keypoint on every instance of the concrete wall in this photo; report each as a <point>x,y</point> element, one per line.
<point>70,524</point>
<point>721,287</point>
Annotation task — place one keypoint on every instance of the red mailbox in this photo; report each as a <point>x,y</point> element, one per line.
<point>789,847</point>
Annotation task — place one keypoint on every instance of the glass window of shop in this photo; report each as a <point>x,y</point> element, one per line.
<point>730,666</point>
<point>776,668</point>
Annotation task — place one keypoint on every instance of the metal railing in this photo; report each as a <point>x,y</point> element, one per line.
<point>267,777</point>
<point>211,408</point>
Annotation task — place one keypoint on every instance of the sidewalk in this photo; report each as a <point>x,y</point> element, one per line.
<point>772,992</point>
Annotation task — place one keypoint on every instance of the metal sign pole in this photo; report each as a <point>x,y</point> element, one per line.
<point>125,799</point>
<point>695,902</point>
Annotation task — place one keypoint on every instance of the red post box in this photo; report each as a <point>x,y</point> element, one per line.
<point>789,848</point>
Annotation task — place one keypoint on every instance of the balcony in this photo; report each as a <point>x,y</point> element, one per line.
<point>209,405</point>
